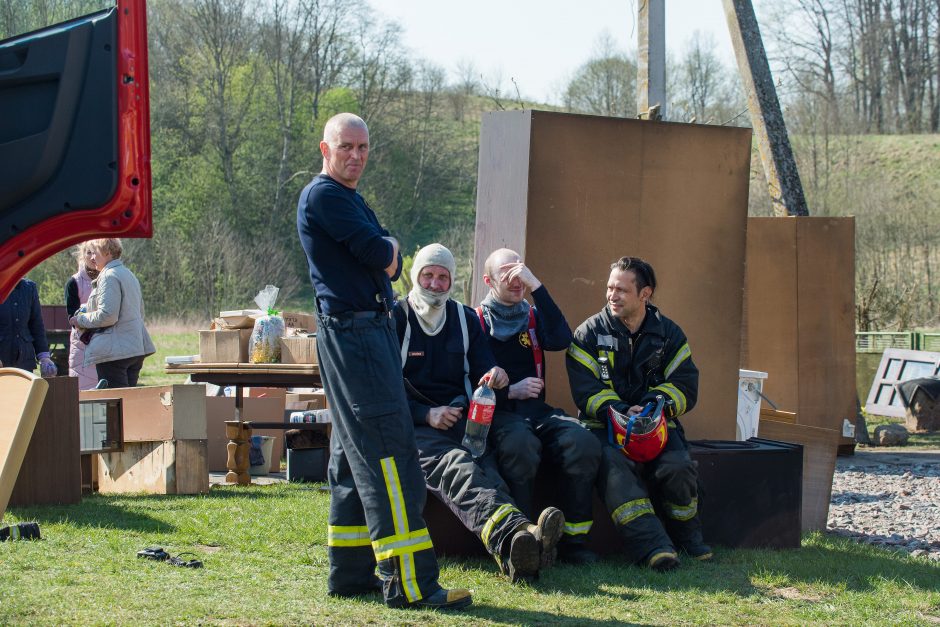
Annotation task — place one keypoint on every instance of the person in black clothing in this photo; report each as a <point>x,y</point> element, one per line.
<point>22,333</point>
<point>442,351</point>
<point>623,357</point>
<point>377,486</point>
<point>518,335</point>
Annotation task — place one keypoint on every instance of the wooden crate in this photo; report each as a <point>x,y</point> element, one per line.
<point>224,345</point>
<point>299,350</point>
<point>167,467</point>
<point>159,413</point>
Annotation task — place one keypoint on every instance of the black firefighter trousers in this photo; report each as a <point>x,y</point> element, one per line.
<point>377,486</point>
<point>471,488</point>
<point>573,456</point>
<point>626,485</point>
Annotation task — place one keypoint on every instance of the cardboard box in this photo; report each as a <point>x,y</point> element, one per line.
<point>170,467</point>
<point>222,408</point>
<point>305,401</point>
<point>159,413</point>
<point>224,346</point>
<point>300,349</point>
<point>299,321</point>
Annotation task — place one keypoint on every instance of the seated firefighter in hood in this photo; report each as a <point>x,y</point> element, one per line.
<point>442,350</point>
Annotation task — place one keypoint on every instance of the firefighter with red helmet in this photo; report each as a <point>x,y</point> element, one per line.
<point>632,375</point>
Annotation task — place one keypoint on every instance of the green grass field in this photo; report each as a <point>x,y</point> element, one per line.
<point>265,562</point>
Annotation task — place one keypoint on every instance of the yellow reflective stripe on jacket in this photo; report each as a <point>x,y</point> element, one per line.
<point>578,529</point>
<point>682,512</point>
<point>341,535</point>
<point>681,355</point>
<point>402,544</point>
<point>501,512</point>
<point>631,510</point>
<point>595,401</point>
<point>584,359</point>
<point>396,500</point>
<point>678,398</point>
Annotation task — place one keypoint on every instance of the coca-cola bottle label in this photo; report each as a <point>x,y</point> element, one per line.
<point>481,414</point>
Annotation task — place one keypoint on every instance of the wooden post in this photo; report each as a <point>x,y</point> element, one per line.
<point>651,58</point>
<point>783,179</point>
<point>239,436</point>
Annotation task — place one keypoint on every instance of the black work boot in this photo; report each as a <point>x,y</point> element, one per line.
<point>688,538</point>
<point>662,559</point>
<point>523,561</point>
<point>548,531</point>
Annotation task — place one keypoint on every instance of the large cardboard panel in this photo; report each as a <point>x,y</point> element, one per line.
<point>159,413</point>
<point>600,188</point>
<point>51,472</point>
<point>826,285</point>
<point>172,467</point>
<point>222,408</point>
<point>23,396</point>
<point>771,319</point>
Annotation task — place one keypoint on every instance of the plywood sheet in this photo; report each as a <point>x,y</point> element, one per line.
<point>770,337</point>
<point>826,293</point>
<point>819,463</point>
<point>600,188</point>
<point>51,472</point>
<point>23,395</point>
<point>171,467</point>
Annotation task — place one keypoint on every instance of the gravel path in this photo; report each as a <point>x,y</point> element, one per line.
<point>889,498</point>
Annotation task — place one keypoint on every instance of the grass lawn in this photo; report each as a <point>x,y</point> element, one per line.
<point>265,563</point>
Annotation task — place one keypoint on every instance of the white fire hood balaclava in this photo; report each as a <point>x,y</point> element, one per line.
<point>431,307</point>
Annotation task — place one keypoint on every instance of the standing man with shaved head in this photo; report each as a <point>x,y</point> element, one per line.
<point>532,429</point>
<point>377,485</point>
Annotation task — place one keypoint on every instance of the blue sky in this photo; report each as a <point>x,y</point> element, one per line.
<point>539,43</point>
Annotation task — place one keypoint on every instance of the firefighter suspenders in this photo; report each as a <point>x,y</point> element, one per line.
<point>537,354</point>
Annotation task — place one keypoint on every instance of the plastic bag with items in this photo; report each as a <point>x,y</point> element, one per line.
<point>265,344</point>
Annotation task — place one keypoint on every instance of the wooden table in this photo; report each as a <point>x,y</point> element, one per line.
<point>240,375</point>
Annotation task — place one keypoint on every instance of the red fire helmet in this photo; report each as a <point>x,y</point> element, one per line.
<point>641,437</point>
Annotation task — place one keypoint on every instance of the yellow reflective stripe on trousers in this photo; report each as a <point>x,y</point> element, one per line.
<point>401,544</point>
<point>501,512</point>
<point>340,535</point>
<point>584,359</point>
<point>631,510</point>
<point>682,354</point>
<point>682,512</point>
<point>578,529</point>
<point>409,577</point>
<point>673,392</point>
<point>594,402</point>
<point>395,498</point>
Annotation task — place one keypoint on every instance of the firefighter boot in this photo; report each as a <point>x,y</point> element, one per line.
<point>548,531</point>
<point>688,537</point>
<point>522,562</point>
<point>662,559</point>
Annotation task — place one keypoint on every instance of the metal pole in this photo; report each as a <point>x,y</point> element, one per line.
<point>651,57</point>
<point>783,179</point>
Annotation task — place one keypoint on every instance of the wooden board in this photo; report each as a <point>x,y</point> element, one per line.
<point>243,368</point>
<point>159,413</point>
<point>573,193</point>
<point>819,463</point>
<point>51,472</point>
<point>23,395</point>
<point>170,467</point>
<point>800,315</point>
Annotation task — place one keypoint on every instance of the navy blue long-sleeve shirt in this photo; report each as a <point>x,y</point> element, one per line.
<point>345,247</point>
<point>435,364</point>
<point>22,333</point>
<point>515,354</point>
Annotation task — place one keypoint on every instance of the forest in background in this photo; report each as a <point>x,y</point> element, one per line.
<point>240,90</point>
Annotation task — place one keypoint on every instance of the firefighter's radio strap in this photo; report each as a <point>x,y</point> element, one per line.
<point>538,355</point>
<point>406,341</point>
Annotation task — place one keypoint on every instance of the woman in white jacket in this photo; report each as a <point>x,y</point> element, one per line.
<point>113,325</point>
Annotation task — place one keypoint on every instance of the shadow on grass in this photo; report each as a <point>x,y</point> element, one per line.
<point>95,512</point>
<point>531,617</point>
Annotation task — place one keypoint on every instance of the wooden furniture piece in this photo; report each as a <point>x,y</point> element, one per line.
<point>242,375</point>
<point>51,472</point>
<point>23,394</point>
<point>573,193</point>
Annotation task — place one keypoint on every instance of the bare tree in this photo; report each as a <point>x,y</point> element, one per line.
<point>605,84</point>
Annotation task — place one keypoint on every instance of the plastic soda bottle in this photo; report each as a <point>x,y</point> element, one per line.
<point>479,418</point>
